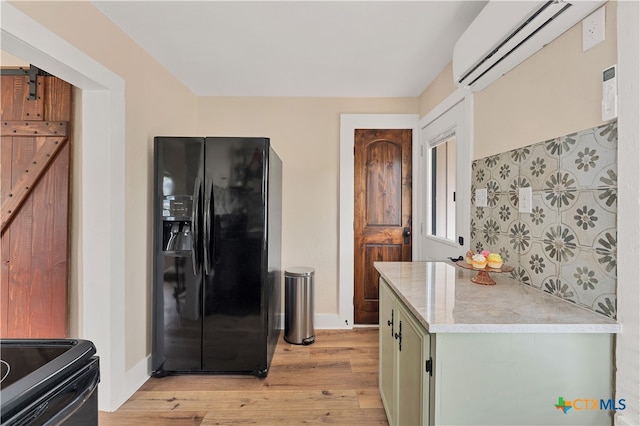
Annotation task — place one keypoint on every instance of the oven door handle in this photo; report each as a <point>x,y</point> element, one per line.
<point>78,401</point>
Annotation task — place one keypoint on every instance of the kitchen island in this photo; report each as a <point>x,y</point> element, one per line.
<point>455,352</point>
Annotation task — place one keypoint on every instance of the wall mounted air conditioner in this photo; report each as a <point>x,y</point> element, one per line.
<point>505,33</point>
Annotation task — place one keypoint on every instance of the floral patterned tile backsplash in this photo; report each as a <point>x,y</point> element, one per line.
<point>567,245</point>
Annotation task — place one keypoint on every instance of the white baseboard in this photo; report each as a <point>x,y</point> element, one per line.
<point>135,378</point>
<point>329,321</point>
<point>322,322</point>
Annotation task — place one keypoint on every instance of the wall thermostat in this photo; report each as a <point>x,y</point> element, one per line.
<point>609,93</point>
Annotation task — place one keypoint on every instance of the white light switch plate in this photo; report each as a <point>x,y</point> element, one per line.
<point>524,200</point>
<point>481,197</point>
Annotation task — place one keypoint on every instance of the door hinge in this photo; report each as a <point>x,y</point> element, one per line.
<point>421,150</point>
<point>428,366</point>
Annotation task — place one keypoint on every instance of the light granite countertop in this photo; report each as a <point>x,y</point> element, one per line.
<point>443,298</point>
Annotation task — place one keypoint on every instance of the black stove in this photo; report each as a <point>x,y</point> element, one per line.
<point>48,382</point>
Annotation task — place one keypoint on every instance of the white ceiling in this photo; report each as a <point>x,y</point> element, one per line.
<point>298,48</point>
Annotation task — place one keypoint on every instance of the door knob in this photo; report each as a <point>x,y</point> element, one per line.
<point>407,235</point>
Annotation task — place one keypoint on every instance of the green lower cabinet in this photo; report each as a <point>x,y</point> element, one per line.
<point>491,378</point>
<point>404,352</point>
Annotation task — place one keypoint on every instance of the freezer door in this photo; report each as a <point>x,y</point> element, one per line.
<point>177,283</point>
<point>234,323</point>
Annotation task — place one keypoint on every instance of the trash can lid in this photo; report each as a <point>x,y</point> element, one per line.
<point>299,271</point>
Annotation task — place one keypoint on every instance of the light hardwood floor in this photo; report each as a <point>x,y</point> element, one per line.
<point>332,381</point>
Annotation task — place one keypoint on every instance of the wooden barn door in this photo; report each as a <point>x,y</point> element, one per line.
<point>382,211</point>
<point>34,183</point>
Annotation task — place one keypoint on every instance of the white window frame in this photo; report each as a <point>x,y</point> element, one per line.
<point>424,248</point>
<point>448,166</point>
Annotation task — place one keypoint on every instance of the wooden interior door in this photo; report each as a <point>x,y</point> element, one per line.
<point>382,204</point>
<point>34,183</point>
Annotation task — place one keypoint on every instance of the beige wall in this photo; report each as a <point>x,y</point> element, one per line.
<point>437,91</point>
<point>555,92</point>
<point>305,132</point>
<point>156,103</point>
<point>8,60</point>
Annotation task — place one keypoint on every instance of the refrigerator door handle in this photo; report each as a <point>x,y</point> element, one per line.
<point>208,205</point>
<point>213,254</point>
<point>195,232</point>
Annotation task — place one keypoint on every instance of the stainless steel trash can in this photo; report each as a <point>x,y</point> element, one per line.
<point>298,305</point>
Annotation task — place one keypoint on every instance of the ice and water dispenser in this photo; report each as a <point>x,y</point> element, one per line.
<point>176,224</point>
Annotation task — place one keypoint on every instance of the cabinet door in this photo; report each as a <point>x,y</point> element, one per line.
<point>413,380</point>
<point>387,349</point>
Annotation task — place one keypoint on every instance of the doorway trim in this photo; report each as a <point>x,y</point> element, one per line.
<point>464,158</point>
<point>348,124</point>
<point>101,271</point>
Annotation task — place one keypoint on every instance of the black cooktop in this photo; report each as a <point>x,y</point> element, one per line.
<point>20,361</point>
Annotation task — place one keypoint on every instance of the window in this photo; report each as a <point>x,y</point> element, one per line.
<point>442,188</point>
<point>443,183</point>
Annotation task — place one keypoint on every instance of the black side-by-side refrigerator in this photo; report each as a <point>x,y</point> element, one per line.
<point>217,249</point>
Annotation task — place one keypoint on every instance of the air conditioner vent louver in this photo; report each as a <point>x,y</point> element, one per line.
<point>504,34</point>
<point>523,33</point>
